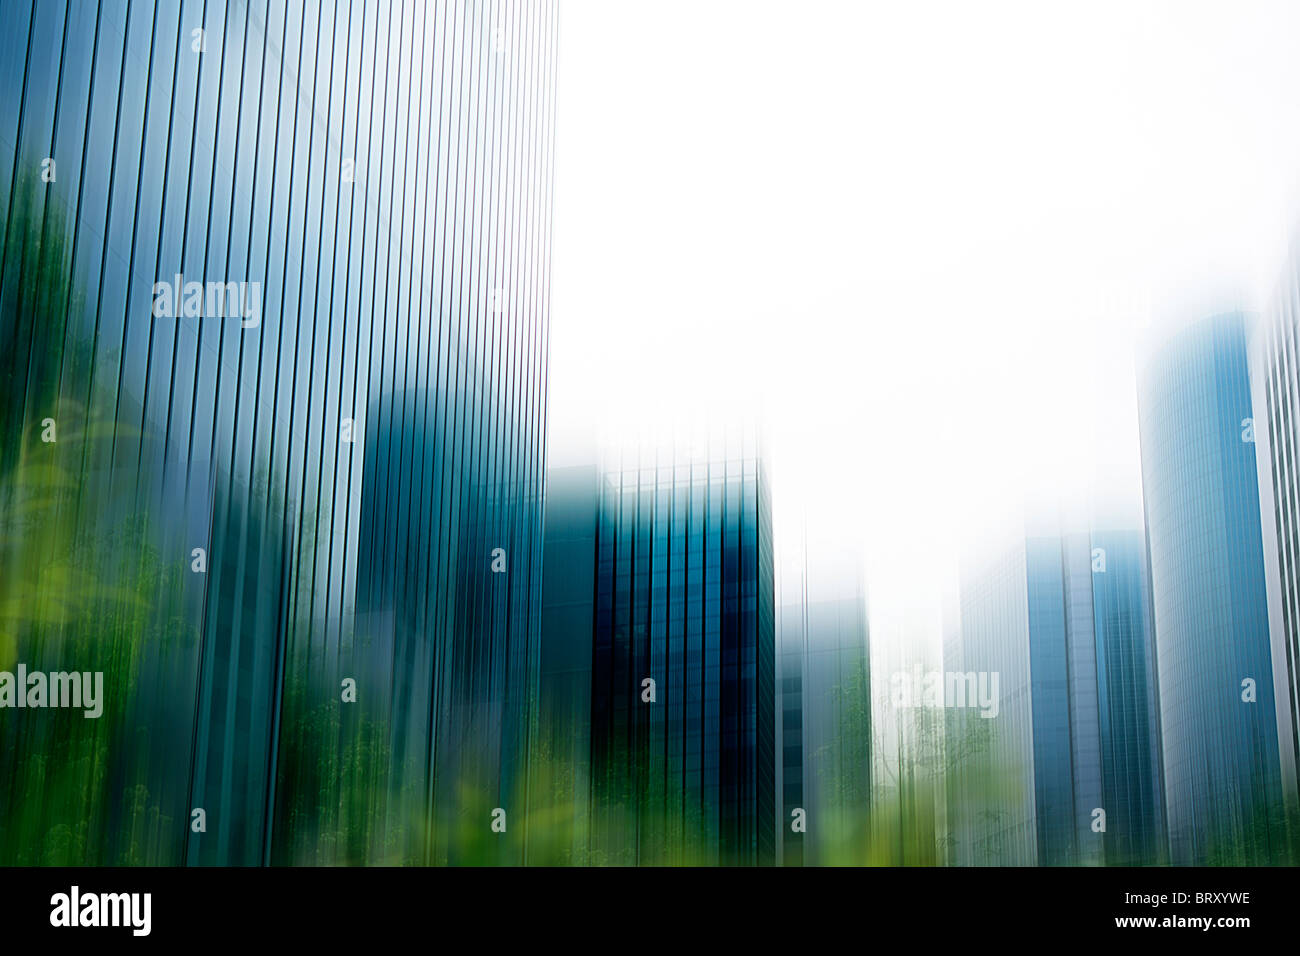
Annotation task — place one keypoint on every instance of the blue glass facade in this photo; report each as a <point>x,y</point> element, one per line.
<point>1126,700</point>
<point>1217,717</point>
<point>329,472</point>
<point>1054,636</point>
<point>684,597</point>
<point>1062,619</point>
<point>561,788</point>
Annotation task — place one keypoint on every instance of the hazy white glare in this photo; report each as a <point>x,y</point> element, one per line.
<point>921,237</point>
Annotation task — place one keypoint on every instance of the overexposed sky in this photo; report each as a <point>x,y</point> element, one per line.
<point>920,236</point>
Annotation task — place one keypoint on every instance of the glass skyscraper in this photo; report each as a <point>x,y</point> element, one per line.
<point>1063,688</point>
<point>273,336</point>
<point>1066,772</point>
<point>1217,716</point>
<point>684,598</point>
<point>1276,397</point>
<point>1127,705</point>
<point>658,657</point>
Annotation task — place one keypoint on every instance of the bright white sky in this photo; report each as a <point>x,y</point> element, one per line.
<point>919,235</point>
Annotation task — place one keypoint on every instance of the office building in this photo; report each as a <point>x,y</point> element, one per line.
<point>279,273</point>
<point>1276,401</point>
<point>1218,721</point>
<point>1063,771</point>
<point>659,624</point>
